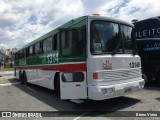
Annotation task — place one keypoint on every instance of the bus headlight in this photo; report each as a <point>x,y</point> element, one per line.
<point>104,91</point>
<point>107,91</point>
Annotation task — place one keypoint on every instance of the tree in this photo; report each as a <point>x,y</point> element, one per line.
<point>2,55</point>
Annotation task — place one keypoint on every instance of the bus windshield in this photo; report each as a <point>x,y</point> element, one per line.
<point>106,37</point>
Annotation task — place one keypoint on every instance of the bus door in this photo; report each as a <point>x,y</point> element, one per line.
<point>72,62</point>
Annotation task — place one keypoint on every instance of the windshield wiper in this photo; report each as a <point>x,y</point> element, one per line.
<point>117,47</point>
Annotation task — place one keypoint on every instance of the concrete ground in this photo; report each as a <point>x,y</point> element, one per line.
<point>7,78</point>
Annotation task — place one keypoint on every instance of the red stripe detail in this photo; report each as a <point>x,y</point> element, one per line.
<point>61,68</point>
<point>73,67</point>
<point>55,68</point>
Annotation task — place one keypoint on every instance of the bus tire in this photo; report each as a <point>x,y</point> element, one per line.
<point>21,77</point>
<point>57,84</point>
<point>57,87</point>
<point>25,78</point>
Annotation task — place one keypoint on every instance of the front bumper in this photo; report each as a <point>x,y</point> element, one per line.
<point>116,90</point>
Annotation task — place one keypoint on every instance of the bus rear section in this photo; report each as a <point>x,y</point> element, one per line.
<point>113,68</point>
<point>147,34</point>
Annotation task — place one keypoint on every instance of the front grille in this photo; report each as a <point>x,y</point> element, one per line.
<point>114,75</point>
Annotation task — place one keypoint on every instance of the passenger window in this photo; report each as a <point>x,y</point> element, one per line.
<point>72,43</point>
<point>47,45</point>
<point>23,53</point>
<point>55,42</point>
<point>73,77</point>
<point>37,48</point>
<point>77,40</point>
<point>66,43</point>
<point>20,54</point>
<point>30,50</point>
<point>27,52</point>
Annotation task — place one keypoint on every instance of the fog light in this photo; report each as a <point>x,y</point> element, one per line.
<point>95,76</point>
<point>141,84</point>
<point>104,91</point>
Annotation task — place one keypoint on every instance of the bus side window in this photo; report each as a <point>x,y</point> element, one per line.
<point>47,45</point>
<point>55,42</point>
<point>77,41</point>
<point>20,54</point>
<point>15,56</point>
<point>66,42</point>
<point>73,77</point>
<point>30,50</point>
<point>37,48</point>
<point>27,52</point>
<point>72,42</point>
<point>23,53</point>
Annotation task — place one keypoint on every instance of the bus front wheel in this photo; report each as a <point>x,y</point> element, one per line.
<point>25,79</point>
<point>57,87</point>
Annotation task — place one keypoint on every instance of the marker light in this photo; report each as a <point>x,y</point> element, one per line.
<point>96,14</point>
<point>95,75</point>
<point>142,84</point>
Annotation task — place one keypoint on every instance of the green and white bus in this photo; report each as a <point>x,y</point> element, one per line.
<point>91,57</point>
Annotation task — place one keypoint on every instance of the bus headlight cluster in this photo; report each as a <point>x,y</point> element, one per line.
<point>107,91</point>
<point>104,91</point>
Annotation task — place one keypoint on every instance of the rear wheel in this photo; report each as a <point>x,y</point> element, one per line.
<point>25,79</point>
<point>21,78</point>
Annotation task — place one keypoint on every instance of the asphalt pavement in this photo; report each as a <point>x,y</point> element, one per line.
<point>17,97</point>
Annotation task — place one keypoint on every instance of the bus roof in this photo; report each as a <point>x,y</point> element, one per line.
<point>148,23</point>
<point>70,24</point>
<point>111,19</point>
<point>149,27</point>
<point>152,18</point>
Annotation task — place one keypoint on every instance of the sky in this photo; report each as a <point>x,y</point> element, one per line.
<point>22,21</point>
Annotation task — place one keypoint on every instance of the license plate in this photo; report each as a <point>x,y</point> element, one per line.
<point>126,90</point>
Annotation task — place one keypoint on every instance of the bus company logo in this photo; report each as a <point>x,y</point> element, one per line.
<point>152,46</point>
<point>155,32</point>
<point>107,65</point>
